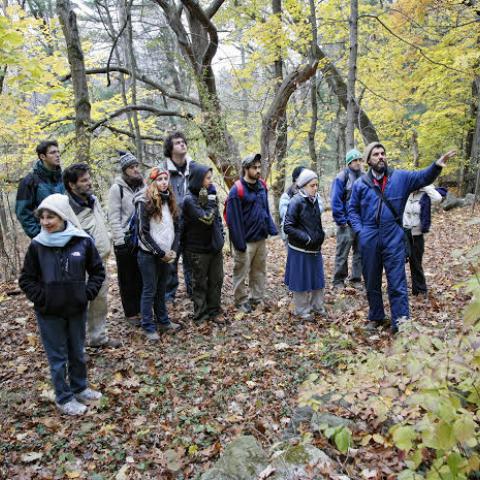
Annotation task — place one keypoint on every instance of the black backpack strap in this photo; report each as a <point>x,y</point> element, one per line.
<point>368,181</point>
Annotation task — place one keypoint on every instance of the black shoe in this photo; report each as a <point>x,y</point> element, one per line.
<point>244,307</point>
<point>372,326</point>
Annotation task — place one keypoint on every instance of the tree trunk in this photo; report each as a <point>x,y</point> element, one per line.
<point>340,138</point>
<point>352,75</point>
<point>68,20</point>
<point>475,155</point>
<point>199,46</point>
<point>313,91</point>
<point>132,66</point>
<point>281,144</point>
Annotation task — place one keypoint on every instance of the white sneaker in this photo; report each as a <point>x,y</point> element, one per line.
<point>88,395</point>
<point>152,336</point>
<point>72,407</point>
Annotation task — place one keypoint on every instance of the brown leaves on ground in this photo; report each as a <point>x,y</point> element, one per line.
<point>170,407</point>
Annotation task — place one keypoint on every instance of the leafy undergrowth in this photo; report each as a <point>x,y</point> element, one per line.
<point>171,407</point>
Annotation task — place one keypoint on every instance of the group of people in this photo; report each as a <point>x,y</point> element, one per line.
<point>174,212</point>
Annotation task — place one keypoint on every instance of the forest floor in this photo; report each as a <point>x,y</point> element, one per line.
<point>170,407</point>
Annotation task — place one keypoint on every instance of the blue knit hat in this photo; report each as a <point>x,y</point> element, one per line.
<point>352,155</point>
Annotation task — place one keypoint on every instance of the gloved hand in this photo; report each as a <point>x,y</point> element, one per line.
<point>203,197</point>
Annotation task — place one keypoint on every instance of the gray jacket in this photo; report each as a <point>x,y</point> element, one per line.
<point>179,180</point>
<point>120,208</point>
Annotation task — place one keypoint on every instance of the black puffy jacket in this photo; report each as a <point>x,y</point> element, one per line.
<point>303,224</point>
<point>202,228</point>
<point>53,278</point>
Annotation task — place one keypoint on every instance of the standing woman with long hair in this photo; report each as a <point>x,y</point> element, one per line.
<point>158,246</point>
<point>303,224</point>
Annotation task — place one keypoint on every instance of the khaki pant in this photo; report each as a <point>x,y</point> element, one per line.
<point>251,263</point>
<point>97,314</point>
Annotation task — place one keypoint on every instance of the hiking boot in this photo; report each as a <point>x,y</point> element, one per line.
<point>201,320</point>
<point>152,336</point>
<point>373,325</point>
<point>321,311</point>
<point>134,320</point>
<point>244,307</point>
<point>356,284</point>
<point>338,286</point>
<point>398,324</point>
<point>73,407</point>
<point>108,343</point>
<point>169,327</point>
<point>88,395</point>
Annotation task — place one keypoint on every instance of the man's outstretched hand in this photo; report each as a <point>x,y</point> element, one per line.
<point>442,161</point>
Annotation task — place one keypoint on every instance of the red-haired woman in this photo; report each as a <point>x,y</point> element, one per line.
<point>158,246</point>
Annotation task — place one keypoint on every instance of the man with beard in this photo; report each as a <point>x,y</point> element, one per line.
<point>375,212</point>
<point>78,184</point>
<point>120,209</point>
<point>249,223</point>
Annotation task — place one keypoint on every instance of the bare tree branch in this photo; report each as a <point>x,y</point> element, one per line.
<point>212,9</point>
<point>120,131</point>
<point>198,12</point>
<point>145,108</point>
<point>142,78</point>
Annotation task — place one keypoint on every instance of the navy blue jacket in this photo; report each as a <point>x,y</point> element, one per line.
<point>303,224</point>
<point>249,219</point>
<point>341,191</point>
<point>201,227</point>
<point>53,278</point>
<point>371,218</point>
<point>32,190</point>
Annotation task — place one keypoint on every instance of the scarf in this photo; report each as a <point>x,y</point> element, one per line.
<point>60,239</point>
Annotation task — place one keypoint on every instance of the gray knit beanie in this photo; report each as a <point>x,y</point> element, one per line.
<point>368,150</point>
<point>305,177</point>
<point>127,160</point>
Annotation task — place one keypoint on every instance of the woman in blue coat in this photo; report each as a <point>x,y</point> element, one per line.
<point>53,278</point>
<point>303,226</point>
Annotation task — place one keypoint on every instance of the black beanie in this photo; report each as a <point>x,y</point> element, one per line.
<point>296,172</point>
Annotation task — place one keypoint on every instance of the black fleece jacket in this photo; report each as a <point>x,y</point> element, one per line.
<point>202,228</point>
<point>53,278</point>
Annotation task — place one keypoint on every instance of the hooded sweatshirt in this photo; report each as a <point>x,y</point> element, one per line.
<point>202,229</point>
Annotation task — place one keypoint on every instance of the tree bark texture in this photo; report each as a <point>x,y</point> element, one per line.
<point>313,91</point>
<point>68,20</point>
<point>198,46</point>
<point>352,75</point>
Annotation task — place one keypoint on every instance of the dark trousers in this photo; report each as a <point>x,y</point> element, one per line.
<point>129,281</point>
<point>63,339</point>
<point>375,257</point>
<point>417,247</point>
<point>172,281</point>
<point>207,281</point>
<point>154,276</point>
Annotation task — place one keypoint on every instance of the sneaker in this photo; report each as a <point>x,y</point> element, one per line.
<point>88,395</point>
<point>170,327</point>
<point>244,307</point>
<point>73,407</point>
<point>398,325</point>
<point>356,284</point>
<point>306,317</point>
<point>152,336</point>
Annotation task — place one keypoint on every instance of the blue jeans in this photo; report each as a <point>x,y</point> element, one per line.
<point>172,280</point>
<point>154,277</point>
<point>63,339</point>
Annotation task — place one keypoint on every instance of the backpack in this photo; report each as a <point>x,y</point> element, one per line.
<point>241,194</point>
<point>131,235</point>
